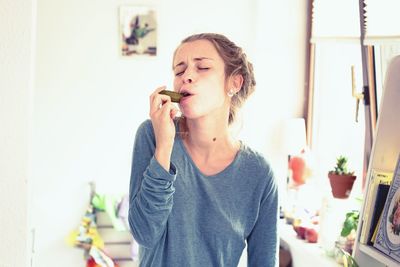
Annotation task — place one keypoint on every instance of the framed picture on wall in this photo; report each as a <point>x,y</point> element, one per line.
<point>138,31</point>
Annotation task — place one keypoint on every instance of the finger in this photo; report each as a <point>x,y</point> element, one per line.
<point>156,92</point>
<point>158,101</point>
<point>166,109</point>
<point>173,113</point>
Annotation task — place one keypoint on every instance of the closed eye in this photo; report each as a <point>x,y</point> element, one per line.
<point>204,68</point>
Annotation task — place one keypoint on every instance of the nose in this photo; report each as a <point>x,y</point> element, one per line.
<point>188,76</point>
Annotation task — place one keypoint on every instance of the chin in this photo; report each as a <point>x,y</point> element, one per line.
<point>190,114</point>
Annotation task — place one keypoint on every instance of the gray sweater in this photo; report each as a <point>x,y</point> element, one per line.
<point>185,218</point>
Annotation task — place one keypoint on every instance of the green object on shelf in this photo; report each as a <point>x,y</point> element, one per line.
<point>348,260</point>
<point>109,204</point>
<point>350,223</point>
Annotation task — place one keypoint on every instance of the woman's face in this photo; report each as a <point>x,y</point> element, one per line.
<point>200,75</point>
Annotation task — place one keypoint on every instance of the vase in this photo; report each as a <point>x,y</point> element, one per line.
<point>341,185</point>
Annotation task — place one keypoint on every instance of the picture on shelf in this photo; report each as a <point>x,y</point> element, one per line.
<point>388,235</point>
<point>138,31</point>
<point>394,219</point>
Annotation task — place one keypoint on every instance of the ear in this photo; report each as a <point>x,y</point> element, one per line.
<point>236,82</point>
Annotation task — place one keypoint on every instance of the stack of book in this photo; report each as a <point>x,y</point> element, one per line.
<point>118,245</point>
<point>387,234</point>
<point>375,201</point>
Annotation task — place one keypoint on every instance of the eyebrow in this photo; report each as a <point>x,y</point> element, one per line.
<point>195,59</point>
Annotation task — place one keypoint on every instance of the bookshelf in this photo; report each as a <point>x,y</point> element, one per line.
<point>384,154</point>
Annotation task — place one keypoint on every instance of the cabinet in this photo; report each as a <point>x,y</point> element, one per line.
<point>384,154</point>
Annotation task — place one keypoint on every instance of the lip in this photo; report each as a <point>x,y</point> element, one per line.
<point>184,99</point>
<point>186,92</point>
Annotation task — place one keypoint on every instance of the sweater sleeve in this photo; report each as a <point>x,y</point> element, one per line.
<point>151,190</point>
<point>262,243</point>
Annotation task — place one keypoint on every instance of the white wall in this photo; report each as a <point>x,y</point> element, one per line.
<point>16,57</point>
<point>279,58</point>
<point>89,101</point>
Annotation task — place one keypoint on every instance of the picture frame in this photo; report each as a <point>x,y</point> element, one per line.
<point>137,31</point>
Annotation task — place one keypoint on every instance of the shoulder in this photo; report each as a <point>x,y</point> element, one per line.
<point>255,160</point>
<point>257,168</point>
<point>145,134</point>
<point>146,127</point>
<point>145,130</point>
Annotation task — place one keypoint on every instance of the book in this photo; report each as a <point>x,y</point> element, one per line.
<point>373,238</point>
<point>126,263</point>
<point>388,236</point>
<point>119,251</point>
<point>110,235</point>
<point>377,178</point>
<point>103,219</point>
<point>382,192</point>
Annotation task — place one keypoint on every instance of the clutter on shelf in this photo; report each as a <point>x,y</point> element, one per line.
<point>103,232</point>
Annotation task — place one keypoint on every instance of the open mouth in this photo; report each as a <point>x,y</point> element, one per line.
<point>185,93</point>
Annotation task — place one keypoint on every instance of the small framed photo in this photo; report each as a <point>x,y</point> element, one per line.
<point>138,31</point>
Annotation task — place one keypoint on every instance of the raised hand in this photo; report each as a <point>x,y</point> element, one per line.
<point>162,114</point>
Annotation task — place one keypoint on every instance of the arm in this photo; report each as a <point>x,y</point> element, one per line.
<point>262,243</point>
<point>151,190</point>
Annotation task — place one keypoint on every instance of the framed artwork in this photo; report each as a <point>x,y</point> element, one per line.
<point>138,31</point>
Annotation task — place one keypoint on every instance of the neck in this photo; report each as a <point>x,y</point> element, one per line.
<point>209,137</point>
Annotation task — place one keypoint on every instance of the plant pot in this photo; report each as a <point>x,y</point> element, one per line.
<point>341,185</point>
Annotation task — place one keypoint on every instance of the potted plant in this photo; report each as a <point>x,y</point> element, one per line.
<point>346,240</point>
<point>349,229</point>
<point>341,179</point>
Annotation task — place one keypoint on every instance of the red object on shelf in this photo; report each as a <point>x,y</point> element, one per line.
<point>311,235</point>
<point>300,231</point>
<point>91,263</point>
<point>298,166</point>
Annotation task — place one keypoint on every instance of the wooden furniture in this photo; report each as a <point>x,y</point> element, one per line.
<point>384,154</point>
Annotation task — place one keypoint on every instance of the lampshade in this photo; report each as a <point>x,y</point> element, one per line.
<point>294,136</point>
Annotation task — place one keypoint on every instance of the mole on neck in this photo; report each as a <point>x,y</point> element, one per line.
<point>214,139</point>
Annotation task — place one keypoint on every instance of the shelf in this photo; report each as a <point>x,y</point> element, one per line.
<point>384,155</point>
<point>303,254</point>
<point>377,255</point>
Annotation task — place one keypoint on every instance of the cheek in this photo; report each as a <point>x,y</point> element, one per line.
<point>176,84</point>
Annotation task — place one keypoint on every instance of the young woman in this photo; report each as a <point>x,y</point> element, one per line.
<point>197,195</point>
